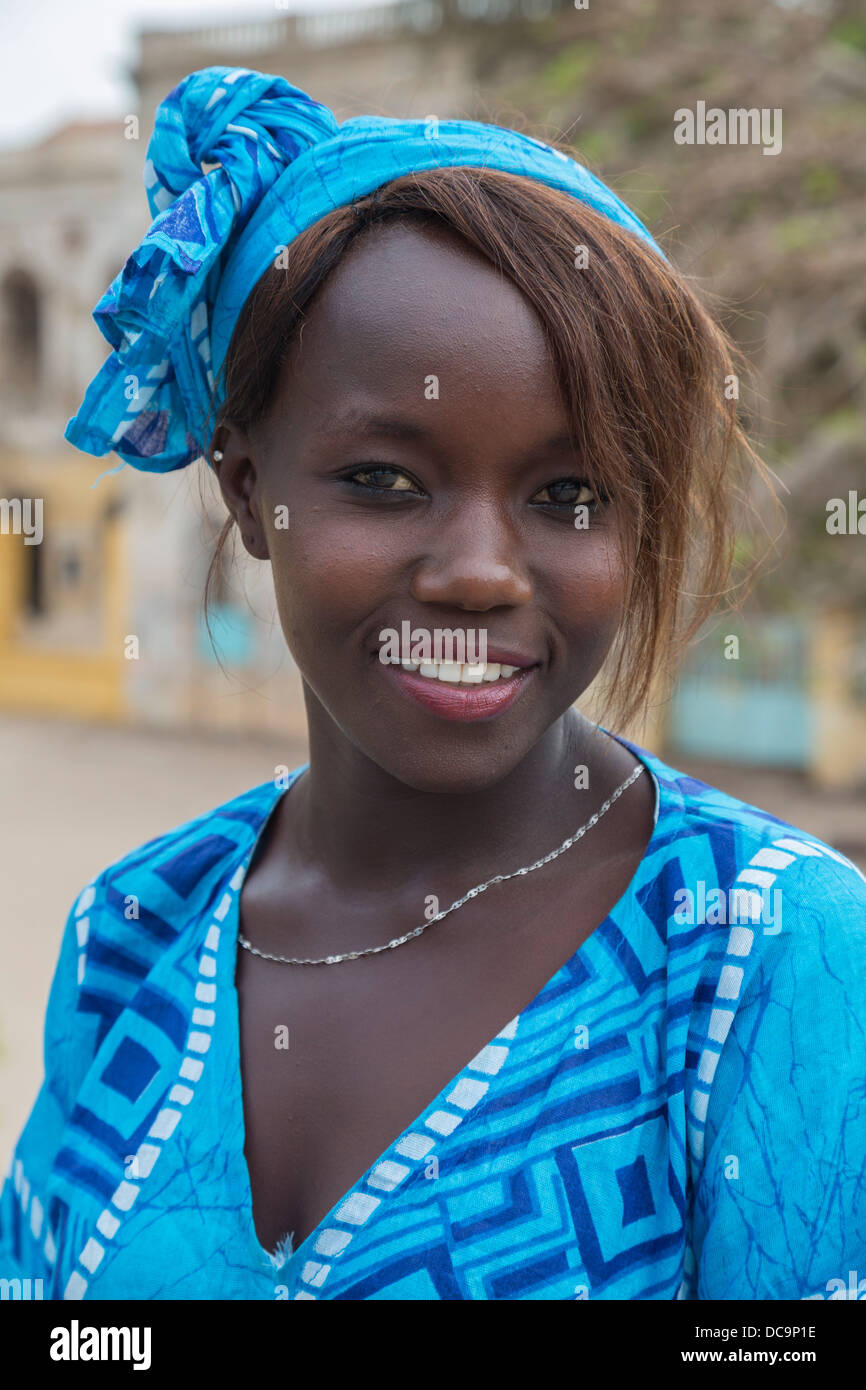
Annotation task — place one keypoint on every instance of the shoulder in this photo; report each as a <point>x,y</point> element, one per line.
<point>764,926</point>
<point>721,842</point>
<point>144,903</point>
<point>776,1049</point>
<point>759,906</point>
<point>184,865</point>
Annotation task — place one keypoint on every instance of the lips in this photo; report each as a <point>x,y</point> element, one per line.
<point>481,697</point>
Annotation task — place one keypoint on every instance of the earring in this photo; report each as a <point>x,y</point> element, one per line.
<point>217,455</point>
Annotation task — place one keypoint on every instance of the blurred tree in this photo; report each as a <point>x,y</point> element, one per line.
<point>776,242</point>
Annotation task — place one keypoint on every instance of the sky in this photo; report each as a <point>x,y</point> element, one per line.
<point>63,60</point>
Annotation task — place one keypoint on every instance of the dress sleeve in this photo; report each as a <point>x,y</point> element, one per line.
<point>780,1194</point>
<point>28,1242</point>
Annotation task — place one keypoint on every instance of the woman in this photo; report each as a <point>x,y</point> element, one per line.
<point>483,1038</point>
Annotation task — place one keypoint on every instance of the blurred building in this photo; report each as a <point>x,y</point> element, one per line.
<point>126,559</point>
<point>64,230</point>
<point>408,57</point>
<point>793,697</point>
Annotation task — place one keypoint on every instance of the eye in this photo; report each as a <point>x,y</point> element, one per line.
<point>384,479</point>
<point>569,492</point>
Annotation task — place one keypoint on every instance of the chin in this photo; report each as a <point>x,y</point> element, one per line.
<point>455,772</point>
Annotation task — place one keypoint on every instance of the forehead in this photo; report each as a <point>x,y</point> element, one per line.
<point>408,302</point>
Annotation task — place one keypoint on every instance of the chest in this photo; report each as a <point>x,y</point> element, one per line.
<point>337,1061</point>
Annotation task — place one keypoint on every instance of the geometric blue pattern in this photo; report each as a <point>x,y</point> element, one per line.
<point>131,1070</point>
<point>637,1200</point>
<point>185,870</point>
<point>678,1113</point>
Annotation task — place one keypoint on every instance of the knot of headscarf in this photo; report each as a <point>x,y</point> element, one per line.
<point>276,161</point>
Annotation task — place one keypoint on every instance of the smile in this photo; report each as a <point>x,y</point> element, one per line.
<point>459,672</point>
<point>461,691</point>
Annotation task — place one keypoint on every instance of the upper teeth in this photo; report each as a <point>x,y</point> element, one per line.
<point>462,673</point>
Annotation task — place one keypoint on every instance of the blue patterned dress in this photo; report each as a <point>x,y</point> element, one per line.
<point>679,1113</point>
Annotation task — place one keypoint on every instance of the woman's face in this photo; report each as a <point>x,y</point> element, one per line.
<point>420,446</point>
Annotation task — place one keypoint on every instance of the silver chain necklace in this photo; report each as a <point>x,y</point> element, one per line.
<point>473,893</point>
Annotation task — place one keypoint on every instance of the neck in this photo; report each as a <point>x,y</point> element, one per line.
<point>364,829</point>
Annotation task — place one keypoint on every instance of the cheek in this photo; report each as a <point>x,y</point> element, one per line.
<point>590,591</point>
<point>326,582</point>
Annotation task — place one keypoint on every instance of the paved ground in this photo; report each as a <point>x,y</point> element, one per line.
<point>74,798</point>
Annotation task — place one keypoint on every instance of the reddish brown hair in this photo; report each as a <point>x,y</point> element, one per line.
<point>641,366</point>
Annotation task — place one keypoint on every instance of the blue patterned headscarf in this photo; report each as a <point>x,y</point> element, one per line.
<point>283,162</point>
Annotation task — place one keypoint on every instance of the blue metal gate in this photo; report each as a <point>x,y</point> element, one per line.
<point>754,709</point>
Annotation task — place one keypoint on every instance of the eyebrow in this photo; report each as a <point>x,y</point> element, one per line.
<point>360,422</point>
<point>399,427</point>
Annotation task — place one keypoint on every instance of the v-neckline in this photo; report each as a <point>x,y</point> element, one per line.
<point>472,1086</point>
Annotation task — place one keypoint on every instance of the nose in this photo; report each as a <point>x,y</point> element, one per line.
<point>475,563</point>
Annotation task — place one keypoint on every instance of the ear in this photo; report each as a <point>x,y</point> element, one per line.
<point>234,463</point>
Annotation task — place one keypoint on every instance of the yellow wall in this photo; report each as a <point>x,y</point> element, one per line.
<point>88,684</point>
<point>838,754</point>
